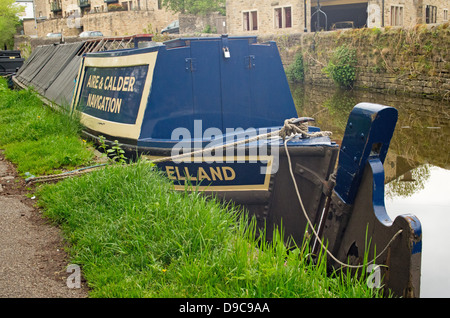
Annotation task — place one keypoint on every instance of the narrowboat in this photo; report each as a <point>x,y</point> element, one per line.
<point>10,62</point>
<point>217,114</point>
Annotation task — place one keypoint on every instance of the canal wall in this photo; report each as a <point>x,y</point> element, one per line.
<point>413,62</point>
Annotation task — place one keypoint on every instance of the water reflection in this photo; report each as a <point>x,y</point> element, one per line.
<point>430,202</point>
<point>417,166</point>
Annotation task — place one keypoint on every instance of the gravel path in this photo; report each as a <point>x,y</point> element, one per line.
<point>33,263</point>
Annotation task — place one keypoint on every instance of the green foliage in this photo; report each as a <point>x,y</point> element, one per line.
<point>25,49</point>
<point>296,71</point>
<point>195,6</point>
<point>157,37</point>
<point>210,29</point>
<point>115,7</point>
<point>342,66</point>
<point>117,153</point>
<point>8,21</point>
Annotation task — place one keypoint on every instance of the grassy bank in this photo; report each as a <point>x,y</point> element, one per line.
<point>133,236</point>
<point>38,139</point>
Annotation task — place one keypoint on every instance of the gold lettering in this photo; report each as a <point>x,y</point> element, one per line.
<point>179,177</point>
<point>215,173</point>
<point>114,84</point>
<point>169,171</point>
<point>202,174</point>
<point>106,85</point>
<point>93,80</point>
<point>89,100</point>
<point>230,176</point>
<point>125,83</point>
<point>102,102</point>
<point>119,103</point>
<point>119,83</point>
<point>188,176</point>
<point>131,85</point>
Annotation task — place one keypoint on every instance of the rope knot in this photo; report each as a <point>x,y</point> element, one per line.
<point>299,126</point>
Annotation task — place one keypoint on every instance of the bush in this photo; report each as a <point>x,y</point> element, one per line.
<point>115,7</point>
<point>342,66</point>
<point>296,71</point>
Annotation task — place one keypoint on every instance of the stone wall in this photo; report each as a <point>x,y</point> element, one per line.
<point>114,23</point>
<point>210,23</point>
<point>121,23</point>
<point>414,62</point>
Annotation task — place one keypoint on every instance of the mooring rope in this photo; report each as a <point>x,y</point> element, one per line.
<point>314,230</point>
<point>55,177</point>
<point>289,128</point>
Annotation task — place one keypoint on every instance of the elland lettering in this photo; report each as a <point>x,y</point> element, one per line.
<point>214,173</point>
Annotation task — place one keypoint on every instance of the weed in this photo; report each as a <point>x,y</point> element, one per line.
<point>157,37</point>
<point>342,66</point>
<point>296,71</point>
<point>117,153</point>
<point>210,29</point>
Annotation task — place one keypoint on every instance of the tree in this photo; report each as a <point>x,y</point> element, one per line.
<point>9,20</point>
<point>195,6</point>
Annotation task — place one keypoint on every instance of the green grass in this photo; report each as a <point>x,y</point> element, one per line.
<point>136,237</point>
<point>37,138</point>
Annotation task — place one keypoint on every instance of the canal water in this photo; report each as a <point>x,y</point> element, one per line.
<point>417,167</point>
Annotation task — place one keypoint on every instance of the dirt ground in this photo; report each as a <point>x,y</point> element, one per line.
<point>33,261</point>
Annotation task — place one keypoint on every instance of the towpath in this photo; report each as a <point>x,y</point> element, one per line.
<point>33,261</point>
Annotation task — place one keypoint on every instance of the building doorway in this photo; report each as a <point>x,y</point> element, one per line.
<point>327,15</point>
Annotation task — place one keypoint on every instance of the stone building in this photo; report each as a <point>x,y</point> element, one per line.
<point>288,16</point>
<point>111,17</point>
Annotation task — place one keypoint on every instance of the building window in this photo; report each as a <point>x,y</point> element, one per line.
<point>396,16</point>
<point>430,14</point>
<point>445,14</point>
<point>283,17</point>
<point>250,20</point>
